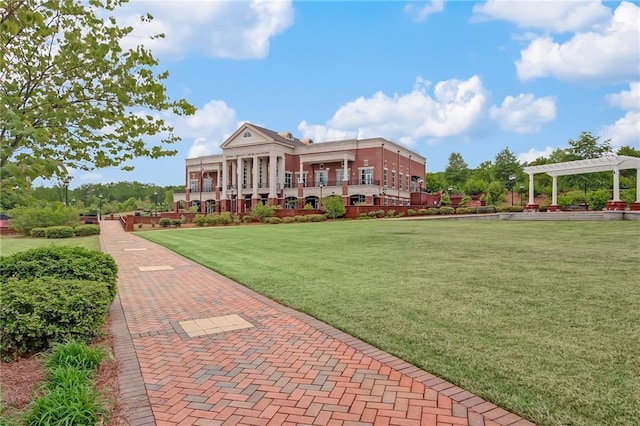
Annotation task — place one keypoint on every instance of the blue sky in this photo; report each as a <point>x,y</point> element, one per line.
<point>440,77</point>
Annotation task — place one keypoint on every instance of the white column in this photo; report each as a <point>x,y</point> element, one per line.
<point>345,173</point>
<point>282,172</point>
<point>254,171</point>
<point>225,176</point>
<point>616,184</point>
<point>637,185</point>
<point>272,176</point>
<point>531,190</point>
<point>239,175</point>
<point>554,191</point>
<point>300,180</point>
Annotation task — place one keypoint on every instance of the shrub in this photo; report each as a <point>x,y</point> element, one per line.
<point>308,207</point>
<point>362,216</point>
<point>445,210</point>
<point>58,232</point>
<point>140,225</point>
<point>391,213</point>
<point>74,355</point>
<point>200,220</point>
<point>84,230</point>
<point>598,199</point>
<point>23,219</point>
<point>288,219</point>
<point>62,262</point>
<point>212,219</point>
<point>38,232</point>
<point>177,222</point>
<point>300,218</point>
<point>316,218</point>
<point>372,214</point>
<point>380,213</point>
<point>165,222</point>
<point>225,218</point>
<point>247,218</point>
<point>465,210</point>
<point>432,211</point>
<point>274,220</point>
<point>262,212</point>
<point>37,313</point>
<point>411,212</point>
<point>333,206</point>
<point>423,212</point>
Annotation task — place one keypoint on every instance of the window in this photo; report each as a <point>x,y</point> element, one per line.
<point>245,177</point>
<point>208,185</point>
<point>340,175</point>
<point>400,181</point>
<point>246,135</point>
<point>406,179</point>
<point>287,180</point>
<point>393,179</point>
<point>304,178</point>
<point>193,185</point>
<point>260,172</point>
<point>322,177</point>
<point>384,177</point>
<point>366,176</point>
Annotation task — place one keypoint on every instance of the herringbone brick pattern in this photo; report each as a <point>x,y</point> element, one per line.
<point>289,369</point>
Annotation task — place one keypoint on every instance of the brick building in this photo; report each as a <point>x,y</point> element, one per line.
<point>260,165</point>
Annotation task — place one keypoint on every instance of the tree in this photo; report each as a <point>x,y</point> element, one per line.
<point>333,205</point>
<point>71,96</point>
<point>587,147</point>
<point>457,170</point>
<point>435,182</point>
<point>484,172</point>
<point>506,165</point>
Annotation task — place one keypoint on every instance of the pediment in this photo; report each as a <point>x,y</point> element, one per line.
<point>250,135</point>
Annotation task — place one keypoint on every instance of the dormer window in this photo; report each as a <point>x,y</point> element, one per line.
<point>246,135</point>
<point>289,136</point>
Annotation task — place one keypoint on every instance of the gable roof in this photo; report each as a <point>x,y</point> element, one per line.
<point>276,136</point>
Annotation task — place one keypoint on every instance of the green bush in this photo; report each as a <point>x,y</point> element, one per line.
<point>274,220</point>
<point>212,219</point>
<point>24,219</point>
<point>308,207</point>
<point>288,219</point>
<point>39,312</point>
<point>165,222</point>
<point>62,262</point>
<point>247,218</point>
<point>200,220</point>
<point>598,199</point>
<point>486,209</point>
<point>75,355</point>
<point>465,210</point>
<point>446,210</point>
<point>381,213</point>
<point>362,216</point>
<point>423,212</point>
<point>333,206</point>
<point>391,213</point>
<point>225,218</point>
<point>372,213</point>
<point>38,232</point>
<point>411,212</point>
<point>58,232</point>
<point>84,230</point>
<point>177,222</point>
<point>432,211</point>
<point>300,218</point>
<point>262,212</point>
<point>316,218</point>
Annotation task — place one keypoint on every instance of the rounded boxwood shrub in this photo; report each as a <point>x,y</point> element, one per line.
<point>445,210</point>
<point>274,220</point>
<point>84,230</point>
<point>165,222</point>
<point>423,212</point>
<point>411,212</point>
<point>200,220</point>
<point>58,232</point>
<point>247,218</point>
<point>465,210</point>
<point>177,222</point>
<point>38,232</point>
<point>431,211</point>
<point>38,313</point>
<point>300,218</point>
<point>288,219</point>
<point>316,218</point>
<point>62,262</point>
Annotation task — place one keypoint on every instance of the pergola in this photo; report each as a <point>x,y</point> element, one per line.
<point>609,162</point>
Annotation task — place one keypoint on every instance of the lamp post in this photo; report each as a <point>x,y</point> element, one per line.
<point>66,190</point>
<point>384,195</point>
<point>321,186</point>
<point>155,202</point>
<point>100,207</point>
<point>510,185</point>
<point>521,192</point>
<point>420,182</point>
<point>232,190</point>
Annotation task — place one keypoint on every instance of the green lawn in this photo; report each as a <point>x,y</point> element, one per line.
<point>541,318</point>
<point>13,244</point>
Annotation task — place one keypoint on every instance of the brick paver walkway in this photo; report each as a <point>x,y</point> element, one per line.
<point>285,369</point>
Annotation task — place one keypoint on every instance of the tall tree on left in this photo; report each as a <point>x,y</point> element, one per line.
<point>72,96</point>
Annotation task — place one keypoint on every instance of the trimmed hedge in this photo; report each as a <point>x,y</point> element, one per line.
<point>445,210</point>
<point>58,232</point>
<point>165,222</point>
<point>274,220</point>
<point>37,313</point>
<point>38,232</point>
<point>64,262</point>
<point>465,210</point>
<point>84,230</point>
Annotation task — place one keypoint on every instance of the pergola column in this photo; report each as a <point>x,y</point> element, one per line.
<point>616,184</point>
<point>637,185</point>
<point>554,191</point>
<point>531,189</point>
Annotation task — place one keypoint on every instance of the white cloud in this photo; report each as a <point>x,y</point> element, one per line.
<point>223,29</point>
<point>555,16</point>
<point>533,154</point>
<point>208,127</point>
<point>610,52</point>
<point>90,177</point>
<point>454,107</point>
<point>420,13</point>
<point>524,113</point>
<point>627,99</point>
<point>626,130</point>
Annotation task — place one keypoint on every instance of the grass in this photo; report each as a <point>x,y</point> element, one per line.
<point>12,244</point>
<point>541,318</point>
